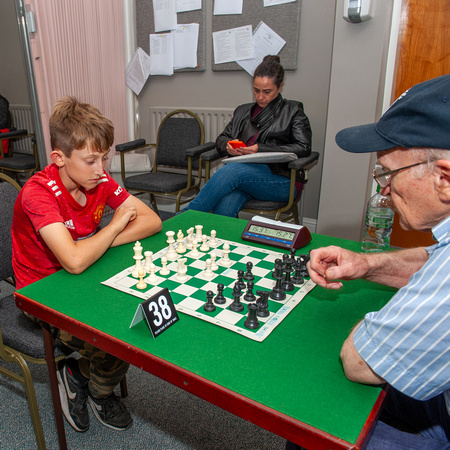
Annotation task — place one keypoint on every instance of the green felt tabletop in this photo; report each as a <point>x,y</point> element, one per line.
<point>296,370</point>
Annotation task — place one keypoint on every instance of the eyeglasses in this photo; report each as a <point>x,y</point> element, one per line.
<point>384,178</point>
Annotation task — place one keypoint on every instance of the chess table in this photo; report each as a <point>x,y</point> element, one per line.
<point>291,384</point>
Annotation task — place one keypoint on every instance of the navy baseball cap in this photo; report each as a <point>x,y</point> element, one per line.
<point>420,117</point>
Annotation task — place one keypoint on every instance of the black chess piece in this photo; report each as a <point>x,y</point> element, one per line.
<point>250,296</point>
<point>251,322</point>
<point>263,304</point>
<point>220,298</point>
<point>287,284</point>
<point>292,252</point>
<point>304,270</point>
<point>249,275</point>
<point>240,278</point>
<point>209,306</point>
<point>297,277</point>
<point>236,306</point>
<point>278,262</point>
<point>277,293</point>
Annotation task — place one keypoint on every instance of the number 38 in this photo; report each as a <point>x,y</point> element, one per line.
<point>160,310</point>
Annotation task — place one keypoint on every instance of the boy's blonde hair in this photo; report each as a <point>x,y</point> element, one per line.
<point>73,125</point>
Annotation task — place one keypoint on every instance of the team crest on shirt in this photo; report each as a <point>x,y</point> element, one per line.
<point>98,213</point>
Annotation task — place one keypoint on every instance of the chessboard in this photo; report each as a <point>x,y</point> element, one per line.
<point>190,295</point>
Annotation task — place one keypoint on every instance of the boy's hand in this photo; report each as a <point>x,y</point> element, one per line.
<point>123,215</point>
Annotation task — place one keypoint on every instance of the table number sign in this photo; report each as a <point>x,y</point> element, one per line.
<point>159,312</point>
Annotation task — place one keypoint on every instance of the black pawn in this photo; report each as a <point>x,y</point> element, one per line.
<point>209,306</point>
<point>287,284</point>
<point>263,303</point>
<point>277,293</point>
<point>251,322</point>
<point>240,281</point>
<point>248,275</point>
<point>304,271</point>
<point>297,277</point>
<point>292,251</point>
<point>236,306</point>
<point>250,296</point>
<point>220,299</point>
<point>278,262</point>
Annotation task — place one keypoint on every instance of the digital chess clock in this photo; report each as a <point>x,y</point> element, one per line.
<point>276,233</point>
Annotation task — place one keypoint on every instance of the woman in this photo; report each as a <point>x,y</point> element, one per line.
<point>271,124</point>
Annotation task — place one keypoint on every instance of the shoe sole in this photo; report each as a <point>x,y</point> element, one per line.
<point>65,404</point>
<point>96,414</point>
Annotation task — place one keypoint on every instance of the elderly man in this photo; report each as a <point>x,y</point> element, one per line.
<point>407,343</point>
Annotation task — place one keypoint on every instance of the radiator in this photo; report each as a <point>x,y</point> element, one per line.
<point>214,119</point>
<point>23,119</point>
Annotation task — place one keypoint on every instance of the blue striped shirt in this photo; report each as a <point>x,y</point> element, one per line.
<point>407,342</point>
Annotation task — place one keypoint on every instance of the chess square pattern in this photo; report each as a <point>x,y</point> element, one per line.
<point>189,296</point>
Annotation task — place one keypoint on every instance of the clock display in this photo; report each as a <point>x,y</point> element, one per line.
<point>271,232</point>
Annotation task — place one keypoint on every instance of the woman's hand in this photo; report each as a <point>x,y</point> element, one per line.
<point>242,150</point>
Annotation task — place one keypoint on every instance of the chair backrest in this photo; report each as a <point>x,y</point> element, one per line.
<point>5,116</point>
<point>175,136</point>
<point>9,190</point>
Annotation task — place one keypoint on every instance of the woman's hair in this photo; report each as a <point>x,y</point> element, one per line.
<point>73,125</point>
<point>271,68</point>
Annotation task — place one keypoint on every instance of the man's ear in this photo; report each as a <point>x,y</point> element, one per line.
<point>58,157</point>
<point>443,180</point>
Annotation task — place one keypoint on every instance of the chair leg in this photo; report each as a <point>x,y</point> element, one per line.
<point>123,387</point>
<point>153,202</point>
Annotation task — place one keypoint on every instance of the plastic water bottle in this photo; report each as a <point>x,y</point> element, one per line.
<point>378,225</point>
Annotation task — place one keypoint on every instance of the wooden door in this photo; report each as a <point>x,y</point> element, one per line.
<point>424,53</point>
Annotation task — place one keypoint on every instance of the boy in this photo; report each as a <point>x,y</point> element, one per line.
<point>55,220</point>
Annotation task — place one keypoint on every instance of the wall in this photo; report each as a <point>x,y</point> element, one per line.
<point>309,84</point>
<point>13,82</point>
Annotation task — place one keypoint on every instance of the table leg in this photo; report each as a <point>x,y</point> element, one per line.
<point>49,343</point>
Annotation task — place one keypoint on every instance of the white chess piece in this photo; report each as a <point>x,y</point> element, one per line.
<point>214,265</point>
<point>208,271</point>
<point>213,241</point>
<point>152,278</point>
<point>148,261</point>
<point>194,253</point>
<point>225,260</point>
<point>171,253</point>
<point>198,232</point>
<point>182,270</point>
<point>141,284</point>
<point>190,237</point>
<point>138,258</point>
<point>204,247</point>
<point>180,247</point>
<point>164,270</point>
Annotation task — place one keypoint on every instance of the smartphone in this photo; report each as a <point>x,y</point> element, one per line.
<point>236,143</point>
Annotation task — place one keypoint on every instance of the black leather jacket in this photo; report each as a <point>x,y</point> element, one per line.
<point>289,132</point>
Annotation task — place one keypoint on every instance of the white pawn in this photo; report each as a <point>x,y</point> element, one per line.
<point>148,261</point>
<point>213,241</point>
<point>152,278</point>
<point>164,270</point>
<point>182,270</point>
<point>190,237</point>
<point>214,265</point>
<point>208,271</point>
<point>195,253</point>
<point>180,247</point>
<point>204,247</point>
<point>198,232</point>
<point>225,260</point>
<point>141,284</point>
<point>138,258</point>
<point>171,253</point>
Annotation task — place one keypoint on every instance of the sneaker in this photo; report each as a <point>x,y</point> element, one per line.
<point>73,394</point>
<point>110,411</point>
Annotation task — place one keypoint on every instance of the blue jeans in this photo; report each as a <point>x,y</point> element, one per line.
<point>233,185</point>
<point>426,425</point>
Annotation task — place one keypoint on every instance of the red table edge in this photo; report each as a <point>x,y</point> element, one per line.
<point>262,416</point>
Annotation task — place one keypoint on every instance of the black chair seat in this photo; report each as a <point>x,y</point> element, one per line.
<point>157,182</point>
<point>23,335</point>
<point>263,205</point>
<point>18,162</point>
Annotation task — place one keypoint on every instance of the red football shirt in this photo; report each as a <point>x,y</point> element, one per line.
<point>45,200</point>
